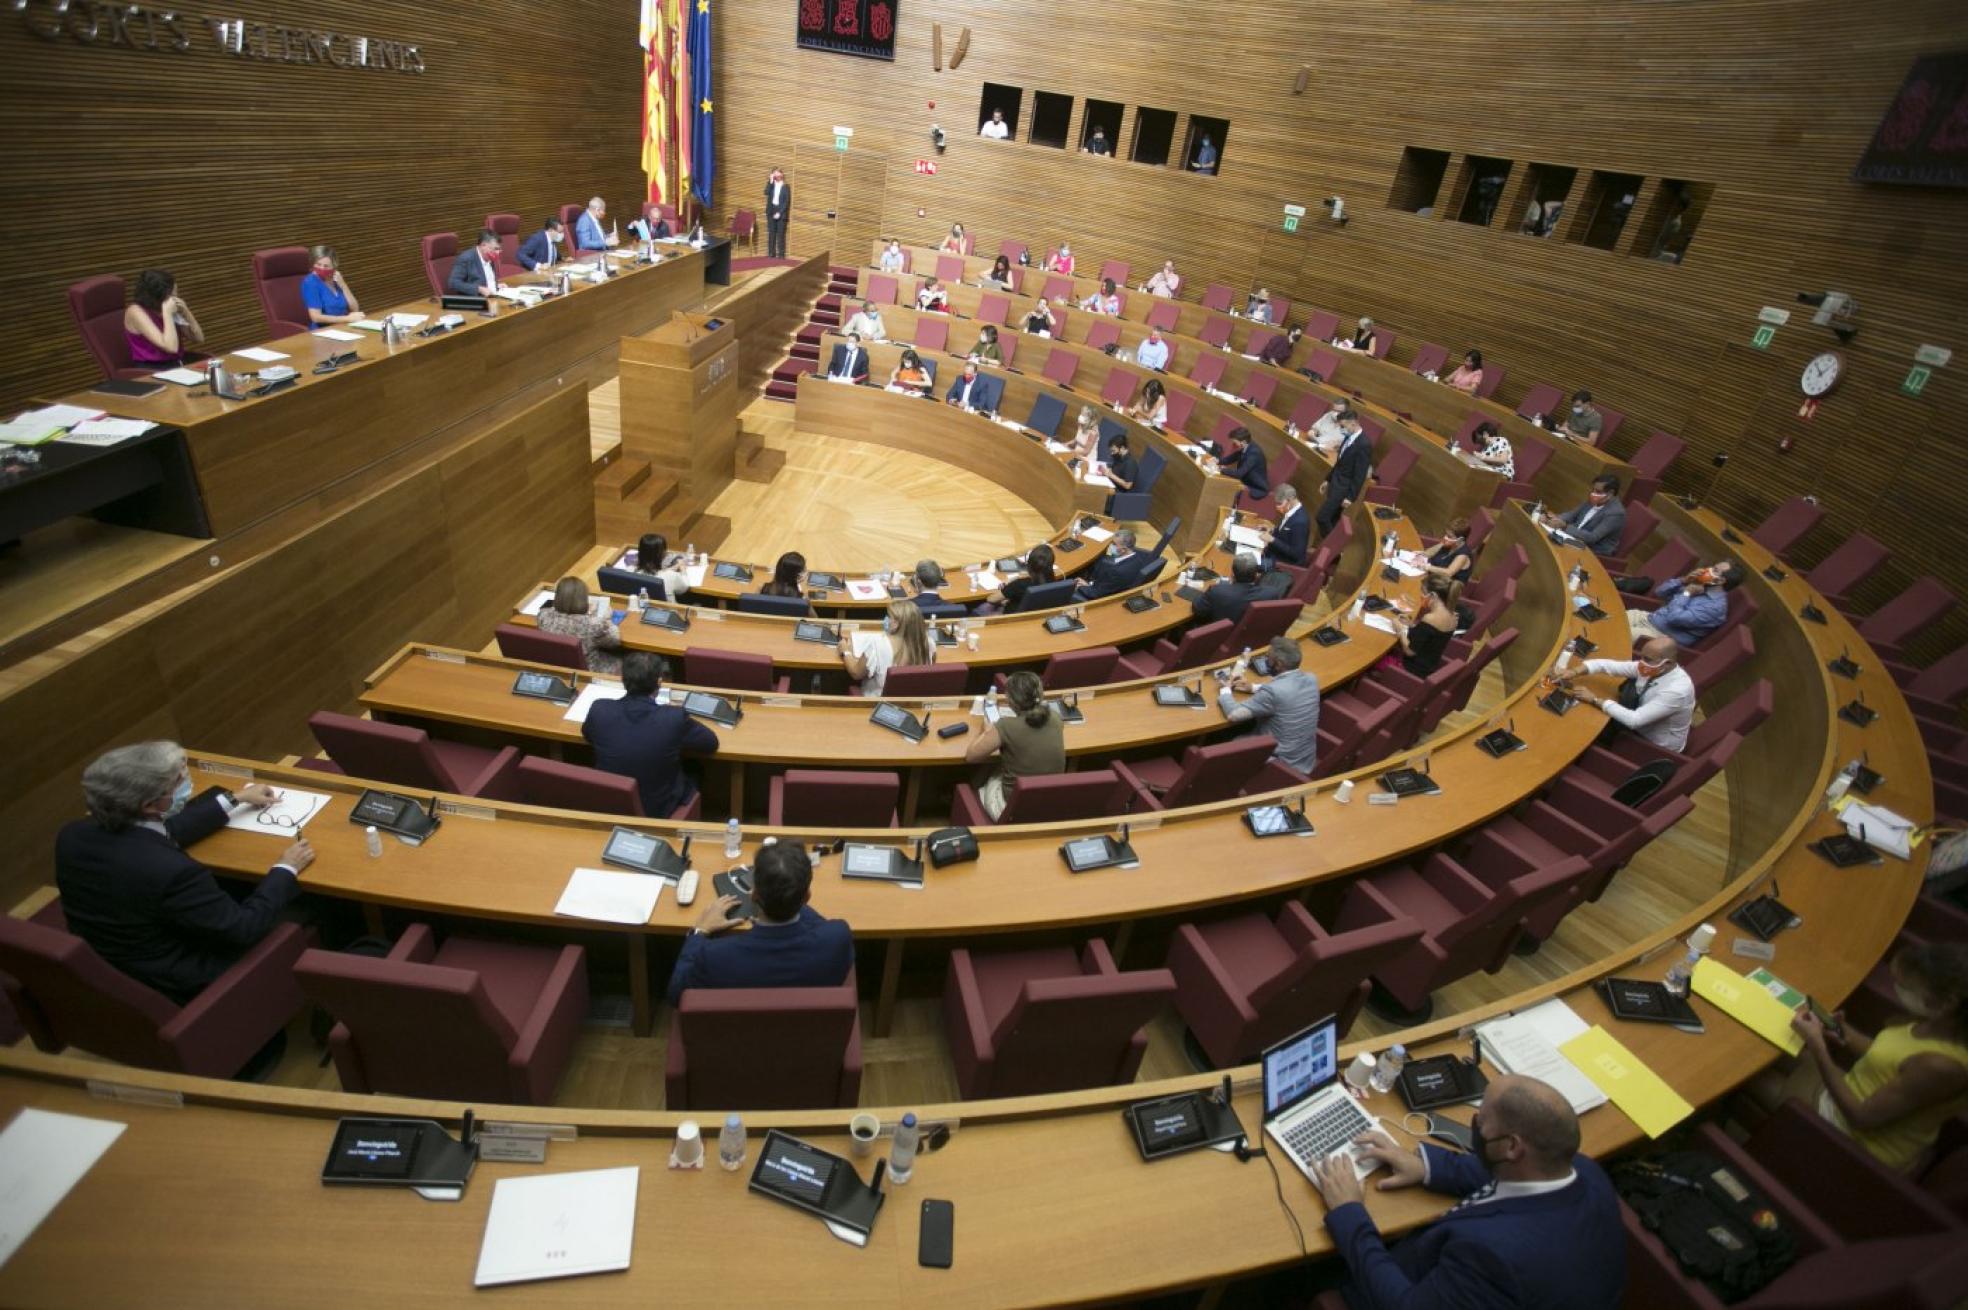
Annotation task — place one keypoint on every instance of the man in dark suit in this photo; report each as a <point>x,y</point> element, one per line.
<point>640,739</point>
<point>1538,1223</point>
<point>1246,463</point>
<point>130,890</point>
<point>542,248</point>
<point>1117,570</point>
<point>475,272</point>
<point>973,390</point>
<point>778,208</point>
<point>788,945</point>
<point>1229,598</point>
<point>849,360</point>
<point>1352,466</point>
<point>1286,541</point>
<point>1601,521</point>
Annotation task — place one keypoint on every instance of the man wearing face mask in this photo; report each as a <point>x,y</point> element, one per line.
<point>1657,700</point>
<point>1537,1224</point>
<point>131,890</point>
<point>1117,569</point>
<point>1601,521</point>
<point>1584,422</point>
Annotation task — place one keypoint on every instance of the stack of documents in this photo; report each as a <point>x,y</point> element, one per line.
<point>1527,1043</point>
<point>184,377</point>
<point>259,354</point>
<point>609,896</point>
<point>593,692</point>
<point>1749,1004</point>
<point>1879,827</point>
<point>35,426</point>
<point>333,334</point>
<point>1633,1087</point>
<point>106,431</point>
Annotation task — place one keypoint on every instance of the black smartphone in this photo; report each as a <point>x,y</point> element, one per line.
<point>934,1245</point>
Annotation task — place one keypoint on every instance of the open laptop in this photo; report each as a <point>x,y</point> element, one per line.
<point>1308,1111</point>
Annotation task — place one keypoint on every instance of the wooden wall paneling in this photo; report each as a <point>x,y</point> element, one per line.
<point>863,192</point>
<point>815,175</point>
<point>514,114</point>
<point>239,662</point>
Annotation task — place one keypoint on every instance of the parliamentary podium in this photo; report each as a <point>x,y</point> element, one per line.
<point>679,398</point>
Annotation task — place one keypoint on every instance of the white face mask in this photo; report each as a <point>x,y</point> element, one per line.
<point>1578,409</point>
<point>1913,1003</point>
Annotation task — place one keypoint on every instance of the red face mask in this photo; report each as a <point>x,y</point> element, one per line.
<point>326,272</point>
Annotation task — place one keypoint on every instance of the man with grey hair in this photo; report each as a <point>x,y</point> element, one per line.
<point>587,228</point>
<point>1286,708</point>
<point>1116,571</point>
<point>1537,1224</point>
<point>130,889</point>
<point>1285,541</point>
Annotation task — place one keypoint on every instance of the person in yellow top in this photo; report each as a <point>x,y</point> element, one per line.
<point>1909,1079</point>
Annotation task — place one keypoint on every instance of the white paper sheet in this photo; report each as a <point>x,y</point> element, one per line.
<point>368,324</point>
<point>1884,830</point>
<point>861,589</point>
<point>42,1156</point>
<point>1380,621</point>
<point>1057,447</point>
<point>559,1226</point>
<point>1096,480</point>
<point>259,354</point>
<point>1097,535</point>
<point>184,377</point>
<point>1527,1043</point>
<point>540,600</point>
<point>408,321</point>
<point>1242,536</point>
<point>59,416</point>
<point>610,896</point>
<point>107,431</point>
<point>299,806</point>
<point>985,580</point>
<point>588,695</point>
<point>336,334</point>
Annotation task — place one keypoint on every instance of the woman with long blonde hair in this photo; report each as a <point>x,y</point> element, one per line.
<point>903,639</point>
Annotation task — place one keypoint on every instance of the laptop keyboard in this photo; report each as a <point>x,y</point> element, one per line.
<point>1323,1132</point>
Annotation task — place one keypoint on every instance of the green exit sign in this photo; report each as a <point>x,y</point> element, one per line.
<point>1291,222</point>
<point>840,143</point>
<point>1764,336</point>
<point>1916,380</point>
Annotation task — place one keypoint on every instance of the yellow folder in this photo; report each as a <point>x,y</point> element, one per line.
<point>1749,1005</point>
<point>1629,1084</point>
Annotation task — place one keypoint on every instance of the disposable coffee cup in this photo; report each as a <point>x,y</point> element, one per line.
<point>863,1129</point>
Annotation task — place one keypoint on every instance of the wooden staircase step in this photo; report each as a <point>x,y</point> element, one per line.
<point>763,466</point>
<point>621,478</point>
<point>706,531</point>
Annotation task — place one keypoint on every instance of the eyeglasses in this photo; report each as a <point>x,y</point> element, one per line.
<point>268,819</point>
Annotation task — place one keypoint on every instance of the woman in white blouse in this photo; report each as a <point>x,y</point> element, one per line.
<point>902,640</point>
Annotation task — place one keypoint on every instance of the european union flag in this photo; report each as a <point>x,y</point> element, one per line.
<point>703,130</point>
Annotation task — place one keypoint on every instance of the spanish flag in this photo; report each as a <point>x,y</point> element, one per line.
<point>658,33</point>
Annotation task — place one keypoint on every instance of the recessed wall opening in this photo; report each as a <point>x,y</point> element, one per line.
<point>1203,152</point>
<point>1418,180</point>
<point>1480,189</point>
<point>1154,134</point>
<point>1608,204</point>
<point>1104,116</point>
<point>1006,99</point>
<point>1537,206</point>
<point>1052,115</point>
<point>1672,215</point>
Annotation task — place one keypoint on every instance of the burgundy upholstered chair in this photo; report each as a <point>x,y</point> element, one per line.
<point>1203,774</point>
<point>67,995</point>
<point>1118,389</point>
<point>1207,371</point>
<point>1048,798</point>
<point>833,798</point>
<point>1672,560</point>
<point>932,334</point>
<point>1196,646</point>
<point>1650,464</point>
<point>881,288</point>
<point>98,304</point>
<point>1181,405</point>
<point>1934,691</point>
<point>744,228</point>
<point>1541,399</point>
<point>1216,331</point>
<point>1530,459</point>
<point>1311,407</point>
<point>471,1020</point>
<point>1787,525</point>
<point>440,252</point>
<point>1429,358</point>
<point>1262,620</point>
<point>994,309</point>
<point>1070,669</point>
<point>730,670</point>
<point>1857,558</point>
<point>1244,982</point>
<point>1742,715</point>
<point>1058,289</point>
<point>1907,615</point>
<point>1389,473</point>
<point>1216,296</point>
<point>765,1048</point>
<point>1031,1022</point>
<point>1258,389</point>
<point>1603,833</point>
<point>1640,524</point>
<point>923,680</point>
<point>517,643</point>
<point>1343,736</point>
<point>1116,271</point>
<point>507,226</point>
<point>1061,366</point>
<point>1164,314</point>
<point>1102,333</point>
<point>1322,325</point>
<point>575,787</point>
<point>569,216</point>
<point>1013,250</point>
<point>277,278</point>
<point>1857,1197</point>
<point>1711,665</point>
<point>1324,361</point>
<point>411,757</point>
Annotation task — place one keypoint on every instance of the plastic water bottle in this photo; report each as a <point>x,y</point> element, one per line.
<point>991,705</point>
<point>1388,1069</point>
<point>375,840</point>
<point>1679,976</point>
<point>734,839</point>
<point>1242,666</point>
<point>641,599</point>
<point>902,1155</point>
<point>731,1142</point>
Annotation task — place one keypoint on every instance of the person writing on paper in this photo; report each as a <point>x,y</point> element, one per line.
<point>1152,408</point>
<point>158,324</point>
<point>1228,598</point>
<point>933,298</point>
<point>850,361</point>
<point>1360,340</point>
<point>1028,737</point>
<point>867,323</point>
<point>1422,642</point>
<point>902,640</point>
<point>1692,607</point>
<point>654,560</point>
<point>786,575</point>
<point>1469,374</point>
<point>542,249</point>
<point>999,278</point>
<point>1165,283</point>
<point>995,128</point>
<point>476,271</point>
<point>1277,351</point>
<point>1286,709</point>
<point>788,945</point>
<point>131,890</point>
<point>987,350</point>
<point>1600,522</point>
<point>634,736</point>
<point>1153,352</point>
<point>1086,435</point>
<point>1039,566</point>
<point>909,374</point>
<point>326,293</point>
<point>588,234</point>
<point>778,209</point>
<point>891,258</point>
<point>572,615</point>
<point>1115,571</point>
<point>956,243</point>
<point>1908,1079</point>
<point>1041,321</point>
<point>1538,1224</point>
<point>1492,450</point>
<point>1286,541</point>
<point>1657,700</point>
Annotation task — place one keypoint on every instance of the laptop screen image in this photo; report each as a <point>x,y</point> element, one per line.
<point>1300,1065</point>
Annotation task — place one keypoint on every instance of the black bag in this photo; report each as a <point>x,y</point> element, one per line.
<point>1716,1224</point>
<point>1643,782</point>
<point>948,846</point>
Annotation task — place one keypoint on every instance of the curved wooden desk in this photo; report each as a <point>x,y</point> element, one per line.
<point>1031,279</point>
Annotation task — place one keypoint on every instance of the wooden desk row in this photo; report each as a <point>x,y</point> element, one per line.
<point>1033,280</point>
<point>254,456</point>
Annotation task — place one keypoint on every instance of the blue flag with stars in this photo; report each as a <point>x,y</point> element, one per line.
<point>703,129</point>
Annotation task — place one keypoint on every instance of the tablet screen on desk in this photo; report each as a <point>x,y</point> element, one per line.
<point>702,702</point>
<point>868,859</point>
<point>627,846</point>
<point>1168,1124</point>
<point>379,809</point>
<point>374,1148</point>
<point>794,1171</point>
<point>1086,850</point>
<point>894,716</point>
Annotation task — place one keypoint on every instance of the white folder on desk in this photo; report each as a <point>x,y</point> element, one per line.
<point>559,1226</point>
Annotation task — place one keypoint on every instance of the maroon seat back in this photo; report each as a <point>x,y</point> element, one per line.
<point>882,288</point>
<point>1541,399</point>
<point>926,680</point>
<point>67,995</point>
<point>1118,389</point>
<point>1943,681</point>
<point>1394,467</point>
<point>1056,797</point>
<point>728,669</point>
<point>1342,734</point>
<point>1115,271</point>
<point>569,216</point>
<point>517,643</point>
<point>1198,645</point>
<point>384,752</point>
<point>1060,366</point>
<point>766,1048</point>
<point>744,225</point>
<point>277,278</point>
<point>1008,347</point>
<point>1164,314</point>
<point>1710,666</point>
<point>838,798</point>
<point>1529,460</point>
<point>1181,407</point>
<point>1322,325</point>
<point>932,334</point>
<point>440,252</point>
<point>1080,668</point>
<point>1383,341</point>
<point>1216,296</point>
<point>1672,560</point>
<point>1857,558</point>
<point>507,226</point>
<point>1492,379</point>
<point>1261,621</point>
<point>1258,389</point>
<point>1787,525</point>
<point>1216,331</point>
<point>97,304</point>
<point>1328,972</point>
<point>1207,371</point>
<point>995,309</point>
<point>573,787</point>
<point>1640,524</point>
<point>1908,614</point>
<point>1324,361</point>
<point>1013,250</point>
<point>1218,771</point>
<point>1311,407</point>
<point>950,268</point>
<point>1102,333</point>
<point>1062,1034</point>
<point>1058,288</point>
<point>1656,453</point>
<point>410,1028</point>
<point>1429,358</point>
